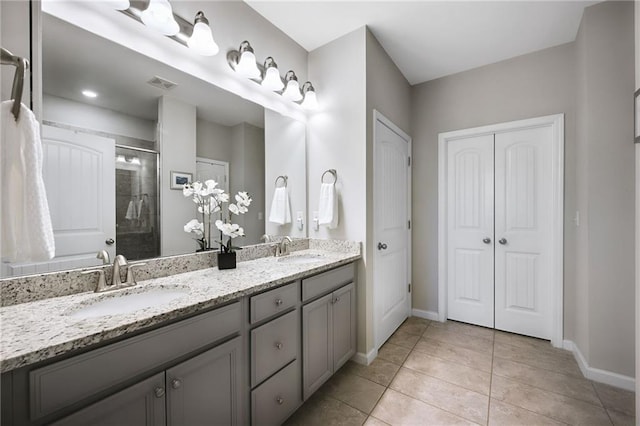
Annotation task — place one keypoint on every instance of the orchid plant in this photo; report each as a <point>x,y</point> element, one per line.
<point>210,200</point>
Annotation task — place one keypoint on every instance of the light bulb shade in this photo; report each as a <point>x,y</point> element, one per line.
<point>292,91</point>
<point>159,16</point>
<point>310,101</point>
<point>201,41</point>
<point>119,4</point>
<point>272,80</point>
<point>247,66</point>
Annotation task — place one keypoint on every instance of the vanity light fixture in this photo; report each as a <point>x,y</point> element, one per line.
<point>89,93</point>
<point>246,65</point>
<point>272,80</point>
<point>310,101</point>
<point>201,41</point>
<point>159,16</point>
<point>292,91</point>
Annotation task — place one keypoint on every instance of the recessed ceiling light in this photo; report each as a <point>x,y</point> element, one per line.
<point>90,93</point>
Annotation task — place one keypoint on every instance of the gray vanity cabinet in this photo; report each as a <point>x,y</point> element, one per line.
<point>328,326</point>
<point>141,404</point>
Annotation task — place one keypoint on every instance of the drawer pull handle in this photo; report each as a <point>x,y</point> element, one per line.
<point>279,345</point>
<point>159,392</point>
<point>336,300</point>
<point>279,302</point>
<point>280,400</point>
<point>176,383</point>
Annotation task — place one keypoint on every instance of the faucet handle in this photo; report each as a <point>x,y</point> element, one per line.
<point>102,283</point>
<point>131,280</point>
<point>104,256</point>
<point>266,238</point>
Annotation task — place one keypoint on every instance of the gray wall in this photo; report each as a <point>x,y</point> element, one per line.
<point>389,93</point>
<point>528,86</point>
<point>605,49</point>
<point>213,140</point>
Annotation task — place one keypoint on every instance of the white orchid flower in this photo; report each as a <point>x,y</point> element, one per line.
<point>243,199</point>
<point>187,190</point>
<point>211,183</point>
<point>232,230</point>
<point>194,226</point>
<point>233,209</point>
<point>223,197</point>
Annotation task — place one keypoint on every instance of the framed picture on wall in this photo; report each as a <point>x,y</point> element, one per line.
<point>636,115</point>
<point>179,179</point>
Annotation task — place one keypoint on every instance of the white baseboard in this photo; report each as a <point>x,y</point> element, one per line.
<point>365,359</point>
<point>430,315</point>
<point>598,375</point>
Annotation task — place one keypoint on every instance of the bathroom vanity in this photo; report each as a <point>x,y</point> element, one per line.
<point>242,346</point>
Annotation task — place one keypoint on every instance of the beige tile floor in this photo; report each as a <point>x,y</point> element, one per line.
<point>431,373</point>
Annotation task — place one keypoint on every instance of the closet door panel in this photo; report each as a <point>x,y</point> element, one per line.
<point>470,230</point>
<point>523,201</point>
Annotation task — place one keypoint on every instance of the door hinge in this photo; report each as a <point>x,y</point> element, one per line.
<point>409,287</point>
<point>409,161</point>
<point>409,224</point>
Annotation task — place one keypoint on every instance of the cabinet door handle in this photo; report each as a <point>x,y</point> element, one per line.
<point>280,400</point>
<point>159,392</point>
<point>176,383</point>
<point>278,302</point>
<point>279,345</point>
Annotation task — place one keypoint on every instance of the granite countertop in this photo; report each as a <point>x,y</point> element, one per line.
<point>39,330</point>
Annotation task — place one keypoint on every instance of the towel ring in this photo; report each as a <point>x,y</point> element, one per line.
<point>284,178</point>
<point>333,172</point>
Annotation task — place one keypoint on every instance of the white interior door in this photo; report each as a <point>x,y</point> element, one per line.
<point>392,298</point>
<point>470,248</point>
<point>79,175</point>
<point>213,169</point>
<point>523,226</point>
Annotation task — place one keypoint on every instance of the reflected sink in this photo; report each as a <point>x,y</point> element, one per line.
<point>300,259</point>
<point>127,303</point>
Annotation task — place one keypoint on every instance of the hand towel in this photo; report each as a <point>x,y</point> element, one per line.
<point>280,207</point>
<point>328,206</point>
<point>131,211</point>
<point>26,233</point>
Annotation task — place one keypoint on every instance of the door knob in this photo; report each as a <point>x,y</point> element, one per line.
<point>176,383</point>
<point>382,246</point>
<point>486,240</point>
<point>159,392</point>
<point>110,241</point>
<point>502,241</point>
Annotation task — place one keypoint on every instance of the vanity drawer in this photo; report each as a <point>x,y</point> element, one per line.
<point>66,382</point>
<point>272,302</point>
<point>273,345</point>
<point>277,398</point>
<point>327,281</point>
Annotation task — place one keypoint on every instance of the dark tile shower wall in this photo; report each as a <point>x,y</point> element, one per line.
<point>137,231</point>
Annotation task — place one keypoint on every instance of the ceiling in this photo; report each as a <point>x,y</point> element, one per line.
<point>74,60</point>
<point>431,39</point>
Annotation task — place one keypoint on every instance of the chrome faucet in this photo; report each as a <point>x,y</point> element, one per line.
<point>119,261</point>
<point>116,280</point>
<point>282,249</point>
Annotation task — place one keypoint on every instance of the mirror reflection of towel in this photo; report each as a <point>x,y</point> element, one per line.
<point>131,211</point>
<point>328,206</point>
<point>143,213</point>
<point>280,207</point>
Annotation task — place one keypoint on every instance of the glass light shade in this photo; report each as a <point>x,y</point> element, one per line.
<point>292,92</point>
<point>247,66</point>
<point>272,80</point>
<point>119,4</point>
<point>310,101</point>
<point>159,16</point>
<point>201,40</point>
<point>121,159</point>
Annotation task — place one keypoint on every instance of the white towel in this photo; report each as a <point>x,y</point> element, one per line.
<point>328,206</point>
<point>26,234</point>
<point>131,211</point>
<point>280,207</point>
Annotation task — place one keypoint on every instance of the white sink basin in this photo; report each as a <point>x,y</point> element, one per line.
<point>301,259</point>
<point>127,303</point>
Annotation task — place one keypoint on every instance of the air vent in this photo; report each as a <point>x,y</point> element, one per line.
<point>162,83</point>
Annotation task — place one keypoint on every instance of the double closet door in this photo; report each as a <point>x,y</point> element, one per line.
<point>499,216</point>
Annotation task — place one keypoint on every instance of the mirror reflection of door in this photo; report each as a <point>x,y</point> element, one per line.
<point>213,169</point>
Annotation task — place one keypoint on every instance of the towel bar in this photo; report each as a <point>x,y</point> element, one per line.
<point>333,172</point>
<point>284,178</point>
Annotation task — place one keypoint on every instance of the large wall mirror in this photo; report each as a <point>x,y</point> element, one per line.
<point>113,182</point>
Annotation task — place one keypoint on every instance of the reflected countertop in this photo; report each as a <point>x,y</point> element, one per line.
<point>39,330</point>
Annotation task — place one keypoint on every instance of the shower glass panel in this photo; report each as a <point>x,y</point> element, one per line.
<point>137,230</point>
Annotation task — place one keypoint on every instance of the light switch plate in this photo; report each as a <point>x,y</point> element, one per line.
<point>300,220</point>
<point>316,222</point>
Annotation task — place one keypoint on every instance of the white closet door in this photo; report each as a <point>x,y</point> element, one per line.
<point>523,226</point>
<point>470,230</point>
